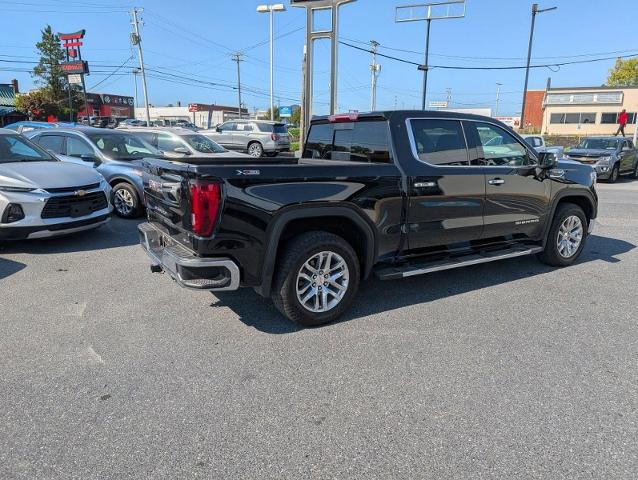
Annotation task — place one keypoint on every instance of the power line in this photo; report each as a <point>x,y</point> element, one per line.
<point>459,67</point>
<point>112,73</point>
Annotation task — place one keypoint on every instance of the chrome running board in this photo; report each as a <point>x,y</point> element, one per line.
<point>411,270</point>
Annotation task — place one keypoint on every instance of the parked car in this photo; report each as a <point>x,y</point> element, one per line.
<point>180,142</point>
<point>132,123</point>
<point>256,137</point>
<point>537,142</point>
<point>610,156</point>
<point>396,194</point>
<point>116,154</point>
<point>27,126</point>
<point>43,197</point>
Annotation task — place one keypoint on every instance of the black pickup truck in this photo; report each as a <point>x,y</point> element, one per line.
<point>394,194</point>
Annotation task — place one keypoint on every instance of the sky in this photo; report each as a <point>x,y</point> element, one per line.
<point>188,45</point>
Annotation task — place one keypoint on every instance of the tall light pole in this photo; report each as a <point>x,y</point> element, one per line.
<point>237,58</point>
<point>498,97</point>
<point>271,9</point>
<point>439,10</point>
<point>535,11</point>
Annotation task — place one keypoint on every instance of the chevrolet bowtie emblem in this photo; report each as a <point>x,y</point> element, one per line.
<point>80,193</point>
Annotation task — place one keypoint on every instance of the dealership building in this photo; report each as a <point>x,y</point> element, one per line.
<point>585,110</point>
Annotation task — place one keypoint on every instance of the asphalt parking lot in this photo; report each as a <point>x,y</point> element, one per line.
<point>508,370</point>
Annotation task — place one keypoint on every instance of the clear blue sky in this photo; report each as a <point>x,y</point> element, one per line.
<point>194,39</point>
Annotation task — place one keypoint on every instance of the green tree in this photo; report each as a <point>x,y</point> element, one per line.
<point>47,72</point>
<point>37,104</point>
<point>276,117</point>
<point>296,116</point>
<point>624,73</point>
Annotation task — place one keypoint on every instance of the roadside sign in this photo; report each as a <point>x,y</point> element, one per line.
<point>438,104</point>
<point>285,112</point>
<point>75,67</point>
<point>193,107</point>
<point>74,79</point>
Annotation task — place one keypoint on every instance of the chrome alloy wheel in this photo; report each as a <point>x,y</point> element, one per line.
<point>322,282</point>
<point>124,201</point>
<point>570,236</point>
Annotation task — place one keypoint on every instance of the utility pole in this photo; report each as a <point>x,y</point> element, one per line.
<point>375,68</point>
<point>498,97</point>
<point>535,11</point>
<point>448,97</point>
<point>137,40</point>
<point>237,58</point>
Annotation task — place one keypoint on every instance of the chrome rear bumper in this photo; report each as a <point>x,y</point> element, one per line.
<point>187,269</point>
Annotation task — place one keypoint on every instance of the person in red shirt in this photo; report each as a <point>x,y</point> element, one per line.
<point>622,122</point>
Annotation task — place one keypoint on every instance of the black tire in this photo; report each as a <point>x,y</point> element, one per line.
<point>551,255</point>
<point>126,202</point>
<point>615,173</point>
<point>635,174</point>
<point>255,149</point>
<point>299,251</point>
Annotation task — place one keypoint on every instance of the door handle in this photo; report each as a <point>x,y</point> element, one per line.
<point>496,181</point>
<point>425,184</point>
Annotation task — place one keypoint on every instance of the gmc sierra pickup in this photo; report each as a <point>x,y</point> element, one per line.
<point>394,194</point>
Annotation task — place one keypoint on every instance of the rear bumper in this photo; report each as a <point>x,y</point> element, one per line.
<point>187,269</point>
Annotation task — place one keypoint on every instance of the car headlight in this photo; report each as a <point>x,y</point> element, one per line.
<point>604,161</point>
<point>8,188</point>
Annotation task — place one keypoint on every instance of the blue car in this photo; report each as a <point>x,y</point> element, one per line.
<point>27,126</point>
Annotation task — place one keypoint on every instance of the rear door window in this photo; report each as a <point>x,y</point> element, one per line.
<point>76,147</point>
<point>440,142</point>
<point>351,142</point>
<point>55,143</point>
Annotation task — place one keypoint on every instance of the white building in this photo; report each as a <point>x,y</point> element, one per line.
<point>202,115</point>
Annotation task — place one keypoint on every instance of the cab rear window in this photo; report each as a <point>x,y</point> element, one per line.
<point>349,142</point>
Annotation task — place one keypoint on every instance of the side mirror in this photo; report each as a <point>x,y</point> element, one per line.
<point>89,158</point>
<point>548,160</point>
<point>182,150</point>
<point>218,129</point>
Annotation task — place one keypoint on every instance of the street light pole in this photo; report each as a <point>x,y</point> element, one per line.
<point>271,9</point>
<point>137,40</point>
<point>498,97</point>
<point>426,65</point>
<point>535,11</point>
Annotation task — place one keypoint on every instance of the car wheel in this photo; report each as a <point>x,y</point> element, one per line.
<point>126,201</point>
<point>567,236</point>
<point>255,150</point>
<point>635,175</point>
<point>317,279</point>
<point>615,173</point>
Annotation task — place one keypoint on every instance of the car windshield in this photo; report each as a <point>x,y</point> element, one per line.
<point>598,144</point>
<point>15,148</point>
<point>203,144</point>
<point>123,146</point>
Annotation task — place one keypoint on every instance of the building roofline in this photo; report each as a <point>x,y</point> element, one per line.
<point>604,87</point>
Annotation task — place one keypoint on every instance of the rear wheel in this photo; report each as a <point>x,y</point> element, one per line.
<point>255,150</point>
<point>317,279</point>
<point>567,236</point>
<point>126,201</point>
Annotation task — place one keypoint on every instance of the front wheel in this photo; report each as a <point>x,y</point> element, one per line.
<point>255,150</point>
<point>615,173</point>
<point>317,279</point>
<point>126,201</point>
<point>567,236</point>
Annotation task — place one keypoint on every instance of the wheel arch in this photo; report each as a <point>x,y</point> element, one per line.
<point>345,222</point>
<point>584,200</point>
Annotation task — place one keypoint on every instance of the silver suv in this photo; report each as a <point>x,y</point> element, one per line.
<point>179,142</point>
<point>257,137</point>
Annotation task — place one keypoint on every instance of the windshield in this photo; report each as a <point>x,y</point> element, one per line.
<point>15,148</point>
<point>598,144</point>
<point>203,144</point>
<point>123,146</point>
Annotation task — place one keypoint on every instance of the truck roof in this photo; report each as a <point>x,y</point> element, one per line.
<point>402,114</point>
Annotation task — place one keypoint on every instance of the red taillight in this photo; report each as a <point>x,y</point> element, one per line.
<point>275,137</point>
<point>206,199</point>
<point>344,117</point>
